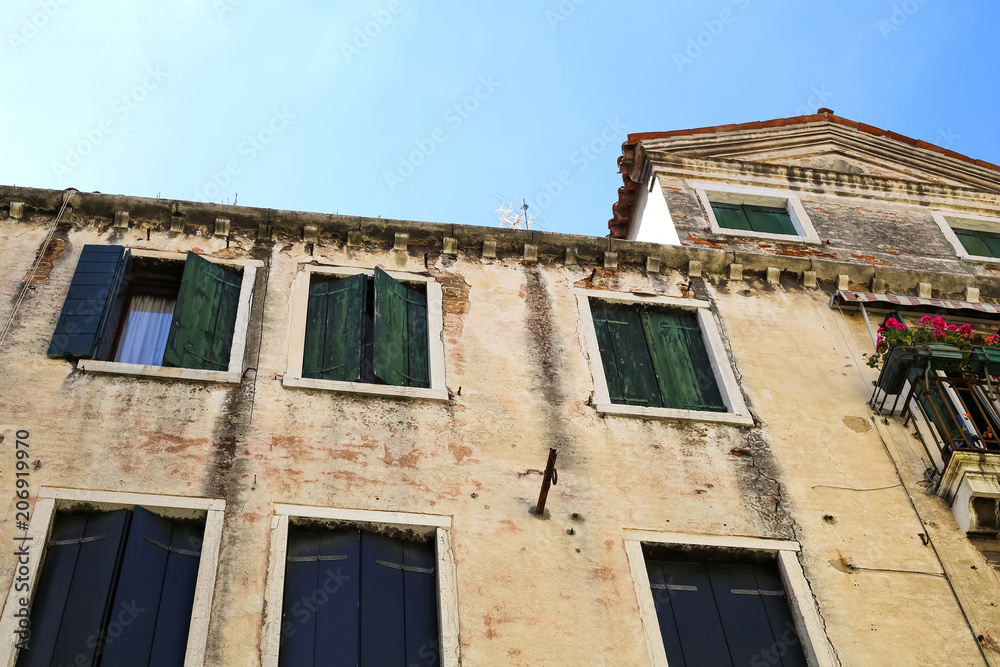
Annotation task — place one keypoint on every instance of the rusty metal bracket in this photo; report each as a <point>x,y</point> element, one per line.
<point>551,477</point>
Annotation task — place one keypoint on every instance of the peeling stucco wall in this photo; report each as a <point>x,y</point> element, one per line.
<point>531,590</point>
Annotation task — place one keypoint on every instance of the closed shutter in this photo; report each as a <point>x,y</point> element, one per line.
<point>769,219</point>
<point>400,333</point>
<point>730,216</point>
<point>201,334</point>
<point>992,242</point>
<point>335,329</point>
<point>420,598</point>
<point>683,368</point>
<point>322,592</point>
<point>973,243</point>
<point>91,311</point>
<point>628,367</point>
<point>723,614</point>
<point>155,592</point>
<point>695,616</point>
<point>71,606</point>
<point>383,627</point>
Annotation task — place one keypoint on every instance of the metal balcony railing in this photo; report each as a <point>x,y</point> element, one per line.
<point>962,414</point>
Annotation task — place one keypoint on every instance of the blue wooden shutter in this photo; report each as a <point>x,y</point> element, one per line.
<point>625,356</point>
<point>779,615</point>
<point>335,327</point>
<point>382,610</point>
<point>420,599</point>
<point>662,594</point>
<point>695,615</point>
<point>322,591</point>
<point>89,318</point>
<point>400,333</point>
<point>155,592</point>
<point>730,216</point>
<point>201,333</point>
<point>71,606</point>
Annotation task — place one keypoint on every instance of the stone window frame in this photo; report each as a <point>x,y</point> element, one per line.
<point>446,572</point>
<point>232,375</point>
<point>947,219</point>
<point>805,612</point>
<point>742,194</point>
<point>299,307</point>
<point>53,499</point>
<point>725,378</point>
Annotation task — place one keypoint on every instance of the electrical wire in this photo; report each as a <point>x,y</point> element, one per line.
<point>34,269</point>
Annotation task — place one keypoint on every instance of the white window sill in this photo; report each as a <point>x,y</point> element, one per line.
<point>739,419</point>
<point>139,370</point>
<point>788,238</point>
<point>365,388</point>
<point>980,259</point>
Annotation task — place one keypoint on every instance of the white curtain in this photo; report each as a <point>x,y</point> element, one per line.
<point>145,336</point>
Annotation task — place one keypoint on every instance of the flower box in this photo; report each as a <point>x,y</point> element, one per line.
<point>897,367</point>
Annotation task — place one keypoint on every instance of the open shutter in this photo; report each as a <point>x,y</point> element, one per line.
<point>89,318</point>
<point>71,606</point>
<point>155,592</point>
<point>683,369</point>
<point>769,219</point>
<point>382,609</point>
<point>625,356</point>
<point>201,334</point>
<point>696,616</point>
<point>730,216</point>
<point>335,329</point>
<point>400,333</point>
<point>420,596</point>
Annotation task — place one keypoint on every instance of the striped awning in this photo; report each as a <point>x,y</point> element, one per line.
<point>845,297</point>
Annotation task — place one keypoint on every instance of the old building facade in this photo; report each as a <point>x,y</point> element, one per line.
<point>322,437</point>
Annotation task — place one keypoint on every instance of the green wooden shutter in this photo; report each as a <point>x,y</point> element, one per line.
<point>89,318</point>
<point>400,333</point>
<point>769,220</point>
<point>992,242</point>
<point>730,216</point>
<point>201,334</point>
<point>972,242</point>
<point>683,368</point>
<point>625,356</point>
<point>335,328</point>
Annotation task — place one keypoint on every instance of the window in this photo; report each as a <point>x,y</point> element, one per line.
<point>720,600</point>
<point>114,579</point>
<point>141,313</point>
<point>755,212</point>
<point>360,587</point>
<point>379,601</point>
<point>765,219</point>
<point>972,237</point>
<point>367,331</point>
<point>659,357</point>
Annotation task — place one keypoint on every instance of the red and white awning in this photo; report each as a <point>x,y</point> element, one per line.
<point>845,297</point>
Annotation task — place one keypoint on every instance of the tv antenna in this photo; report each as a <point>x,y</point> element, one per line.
<point>515,218</point>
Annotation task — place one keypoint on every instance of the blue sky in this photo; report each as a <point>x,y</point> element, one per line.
<point>432,111</point>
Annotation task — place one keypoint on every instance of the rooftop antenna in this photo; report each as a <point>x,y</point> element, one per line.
<point>515,218</point>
